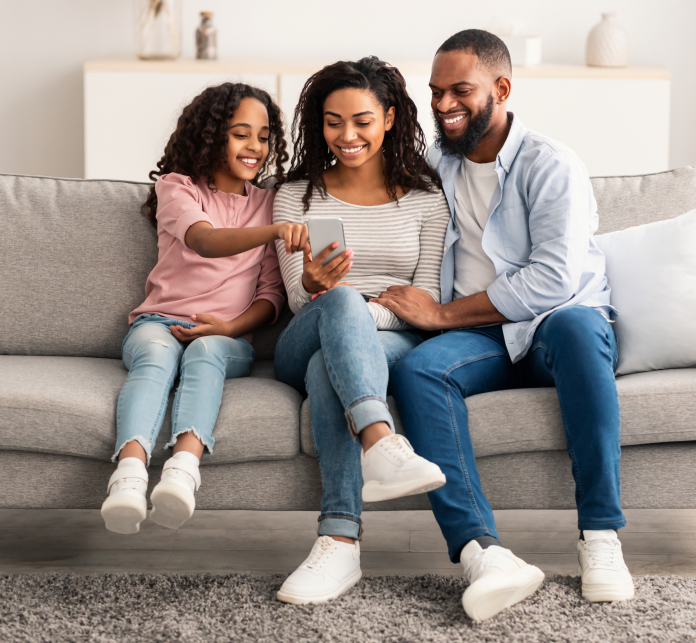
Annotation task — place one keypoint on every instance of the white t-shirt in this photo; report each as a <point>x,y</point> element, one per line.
<point>474,186</point>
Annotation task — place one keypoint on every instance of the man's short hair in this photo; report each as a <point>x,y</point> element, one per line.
<point>490,50</point>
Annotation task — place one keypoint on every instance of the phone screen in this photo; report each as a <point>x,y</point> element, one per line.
<point>323,231</point>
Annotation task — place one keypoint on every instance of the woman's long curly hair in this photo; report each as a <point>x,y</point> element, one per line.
<point>198,147</point>
<point>404,145</point>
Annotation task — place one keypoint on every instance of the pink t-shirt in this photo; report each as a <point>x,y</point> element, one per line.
<point>183,282</point>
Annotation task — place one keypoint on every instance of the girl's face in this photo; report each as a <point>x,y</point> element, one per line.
<point>354,125</point>
<point>247,147</point>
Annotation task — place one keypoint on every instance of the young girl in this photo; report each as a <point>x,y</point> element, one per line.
<point>359,155</point>
<point>215,257</point>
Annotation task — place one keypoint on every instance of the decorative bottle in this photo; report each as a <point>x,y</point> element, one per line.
<point>158,29</point>
<point>607,44</point>
<point>206,37</point>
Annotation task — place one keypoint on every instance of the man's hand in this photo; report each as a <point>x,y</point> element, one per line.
<point>207,325</point>
<point>414,305</point>
<point>295,236</point>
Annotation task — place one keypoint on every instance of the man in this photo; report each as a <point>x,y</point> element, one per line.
<point>525,302</point>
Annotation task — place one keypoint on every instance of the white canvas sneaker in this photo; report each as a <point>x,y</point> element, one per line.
<point>391,469</point>
<point>331,569</point>
<point>605,576</point>
<point>126,507</point>
<point>173,499</point>
<point>497,579</point>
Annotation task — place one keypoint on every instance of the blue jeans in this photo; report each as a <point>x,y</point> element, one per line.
<point>154,358</point>
<point>575,350</point>
<point>332,351</point>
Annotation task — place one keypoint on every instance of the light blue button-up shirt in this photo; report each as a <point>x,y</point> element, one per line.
<point>539,234</point>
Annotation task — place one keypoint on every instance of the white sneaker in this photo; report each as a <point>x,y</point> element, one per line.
<point>605,576</point>
<point>331,569</point>
<point>126,506</point>
<point>173,499</point>
<point>391,469</point>
<point>497,579</point>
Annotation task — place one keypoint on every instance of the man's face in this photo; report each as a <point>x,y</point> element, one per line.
<point>463,101</point>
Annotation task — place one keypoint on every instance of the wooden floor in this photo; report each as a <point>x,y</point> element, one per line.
<point>656,542</point>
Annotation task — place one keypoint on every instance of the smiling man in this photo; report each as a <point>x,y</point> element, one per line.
<point>525,303</point>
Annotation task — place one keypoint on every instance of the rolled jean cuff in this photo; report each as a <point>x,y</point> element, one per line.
<point>590,526</point>
<point>368,411</point>
<point>337,525</point>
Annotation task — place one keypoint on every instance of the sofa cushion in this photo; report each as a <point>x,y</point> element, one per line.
<point>658,406</point>
<point>651,269</point>
<point>74,257</point>
<point>67,405</point>
<point>625,201</point>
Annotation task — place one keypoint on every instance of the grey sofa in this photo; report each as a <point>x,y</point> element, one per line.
<point>74,256</point>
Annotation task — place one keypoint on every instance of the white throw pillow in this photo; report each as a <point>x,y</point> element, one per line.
<point>652,273</point>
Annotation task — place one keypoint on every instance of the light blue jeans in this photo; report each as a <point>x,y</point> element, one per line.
<point>332,351</point>
<point>154,358</point>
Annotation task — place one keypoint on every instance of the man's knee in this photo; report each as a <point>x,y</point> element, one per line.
<point>575,328</point>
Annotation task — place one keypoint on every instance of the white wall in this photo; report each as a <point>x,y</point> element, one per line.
<point>43,44</point>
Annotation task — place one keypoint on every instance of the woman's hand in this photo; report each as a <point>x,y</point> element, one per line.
<point>321,292</point>
<point>317,278</point>
<point>295,236</point>
<point>207,325</point>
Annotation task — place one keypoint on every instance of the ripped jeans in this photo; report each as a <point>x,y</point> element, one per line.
<point>154,358</point>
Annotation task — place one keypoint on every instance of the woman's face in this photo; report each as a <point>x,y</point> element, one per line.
<point>354,125</point>
<point>247,147</point>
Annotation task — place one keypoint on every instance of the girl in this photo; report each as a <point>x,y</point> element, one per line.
<point>359,155</point>
<point>215,256</point>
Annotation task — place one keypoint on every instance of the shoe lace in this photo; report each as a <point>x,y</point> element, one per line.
<point>475,565</point>
<point>398,446</point>
<point>129,484</point>
<point>603,553</point>
<point>322,547</point>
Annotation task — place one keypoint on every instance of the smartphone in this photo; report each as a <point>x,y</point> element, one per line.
<point>323,231</point>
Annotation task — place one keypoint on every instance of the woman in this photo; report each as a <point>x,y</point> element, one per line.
<point>359,156</point>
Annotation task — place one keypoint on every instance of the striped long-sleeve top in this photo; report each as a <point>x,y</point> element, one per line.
<point>395,244</point>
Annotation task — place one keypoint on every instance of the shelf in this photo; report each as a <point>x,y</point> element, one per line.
<point>259,66</point>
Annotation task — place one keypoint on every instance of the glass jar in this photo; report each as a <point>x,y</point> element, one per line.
<point>158,29</point>
<point>206,37</point>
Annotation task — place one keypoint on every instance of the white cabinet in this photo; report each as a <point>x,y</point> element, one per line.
<point>131,108</point>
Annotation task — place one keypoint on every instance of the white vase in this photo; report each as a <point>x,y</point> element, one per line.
<point>607,44</point>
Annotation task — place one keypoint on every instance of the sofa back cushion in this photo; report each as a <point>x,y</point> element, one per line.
<point>627,201</point>
<point>75,255</point>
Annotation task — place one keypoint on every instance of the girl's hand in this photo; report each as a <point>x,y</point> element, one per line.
<point>208,325</point>
<point>317,278</point>
<point>295,236</point>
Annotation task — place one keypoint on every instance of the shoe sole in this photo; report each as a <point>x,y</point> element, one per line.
<point>374,491</point>
<point>607,593</point>
<point>295,599</point>
<point>490,595</point>
<point>171,505</point>
<point>123,515</point>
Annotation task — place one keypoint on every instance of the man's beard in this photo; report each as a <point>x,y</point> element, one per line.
<point>467,142</point>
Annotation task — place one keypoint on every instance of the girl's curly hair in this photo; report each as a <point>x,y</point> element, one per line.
<point>198,146</point>
<point>404,145</point>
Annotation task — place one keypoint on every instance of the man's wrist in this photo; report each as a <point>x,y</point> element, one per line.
<point>438,317</point>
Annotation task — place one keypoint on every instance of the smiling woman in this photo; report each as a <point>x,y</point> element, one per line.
<point>359,156</point>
